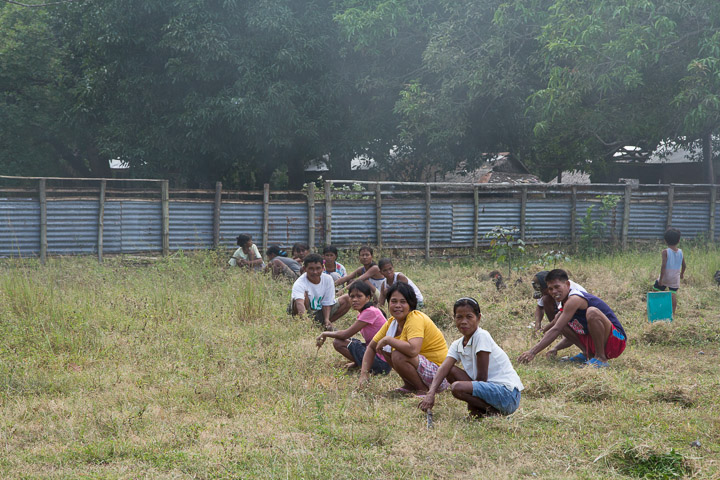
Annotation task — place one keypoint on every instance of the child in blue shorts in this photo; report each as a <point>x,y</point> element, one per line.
<point>488,384</point>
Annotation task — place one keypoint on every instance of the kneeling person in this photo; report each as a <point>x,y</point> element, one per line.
<point>314,293</point>
<point>489,383</point>
<point>585,320</point>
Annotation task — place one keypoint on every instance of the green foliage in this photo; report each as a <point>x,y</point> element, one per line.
<point>651,465</point>
<point>593,231</point>
<point>505,245</point>
<point>551,258</point>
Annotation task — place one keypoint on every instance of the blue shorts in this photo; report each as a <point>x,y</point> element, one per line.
<point>498,396</point>
<point>357,350</point>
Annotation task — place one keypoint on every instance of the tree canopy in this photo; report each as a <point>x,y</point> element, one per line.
<point>201,91</point>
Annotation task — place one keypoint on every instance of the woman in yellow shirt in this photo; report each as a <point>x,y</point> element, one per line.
<point>411,342</point>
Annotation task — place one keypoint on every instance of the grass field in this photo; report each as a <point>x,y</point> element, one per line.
<point>179,368</point>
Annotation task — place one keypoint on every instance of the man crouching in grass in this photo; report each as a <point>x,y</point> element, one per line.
<point>314,294</point>
<point>584,320</point>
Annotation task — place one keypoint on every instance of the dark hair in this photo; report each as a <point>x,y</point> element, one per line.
<point>365,247</point>
<point>275,250</point>
<point>363,288</point>
<point>540,279</point>
<point>300,246</point>
<point>383,262</point>
<point>312,258</point>
<point>406,291</point>
<point>469,302</point>
<point>242,239</point>
<point>672,236</point>
<point>557,274</point>
<point>330,249</point>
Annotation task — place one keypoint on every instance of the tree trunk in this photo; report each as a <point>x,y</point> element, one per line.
<point>708,157</point>
<point>559,175</point>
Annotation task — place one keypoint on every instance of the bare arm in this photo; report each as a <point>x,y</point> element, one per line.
<point>344,334</point>
<point>682,270</point>
<point>483,360</point>
<point>572,304</point>
<point>663,267</point>
<point>539,314</point>
<point>300,306</point>
<point>441,374</point>
<point>367,362</point>
<point>348,277</point>
<point>410,348</point>
<point>369,273</point>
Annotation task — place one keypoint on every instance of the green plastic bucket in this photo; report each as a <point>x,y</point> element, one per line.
<point>659,306</point>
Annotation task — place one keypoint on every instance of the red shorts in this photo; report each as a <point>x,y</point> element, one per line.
<point>613,348</point>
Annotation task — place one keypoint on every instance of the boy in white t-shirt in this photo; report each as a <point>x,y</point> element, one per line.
<point>489,383</point>
<point>314,293</point>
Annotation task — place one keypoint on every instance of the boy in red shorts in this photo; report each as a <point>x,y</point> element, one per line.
<point>583,319</point>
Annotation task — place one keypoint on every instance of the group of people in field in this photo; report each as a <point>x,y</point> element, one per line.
<point>409,343</point>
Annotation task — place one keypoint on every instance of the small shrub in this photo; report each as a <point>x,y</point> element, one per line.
<point>640,462</point>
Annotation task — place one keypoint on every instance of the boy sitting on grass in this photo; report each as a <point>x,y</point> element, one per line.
<point>314,294</point>
<point>585,320</point>
<point>672,269</point>
<point>332,267</point>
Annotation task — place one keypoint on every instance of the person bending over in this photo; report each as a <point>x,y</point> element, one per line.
<point>585,320</point>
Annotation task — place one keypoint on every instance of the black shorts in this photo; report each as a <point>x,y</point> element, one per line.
<point>357,350</point>
<point>661,288</point>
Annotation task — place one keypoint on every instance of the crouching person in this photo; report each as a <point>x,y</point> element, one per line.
<point>489,384</point>
<point>410,341</point>
<point>313,294</point>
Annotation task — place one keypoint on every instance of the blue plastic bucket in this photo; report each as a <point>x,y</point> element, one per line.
<point>659,306</point>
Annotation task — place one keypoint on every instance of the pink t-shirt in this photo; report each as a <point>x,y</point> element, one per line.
<point>375,320</point>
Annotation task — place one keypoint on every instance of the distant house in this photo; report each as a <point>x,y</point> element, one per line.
<point>502,168</point>
<point>667,164</point>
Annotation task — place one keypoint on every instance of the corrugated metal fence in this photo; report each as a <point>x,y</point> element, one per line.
<point>44,216</point>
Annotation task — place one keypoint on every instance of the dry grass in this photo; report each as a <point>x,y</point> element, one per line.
<point>181,369</point>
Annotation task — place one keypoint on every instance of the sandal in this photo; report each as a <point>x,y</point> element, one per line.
<point>594,362</point>
<point>579,358</point>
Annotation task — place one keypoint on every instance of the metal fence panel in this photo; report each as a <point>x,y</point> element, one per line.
<point>140,226</point>
<point>191,225</point>
<point>691,218</point>
<point>547,220</point>
<point>441,223</point>
<point>403,223</point>
<point>494,214</point>
<point>462,223</point>
<point>611,224</point>
<point>72,226</point>
<point>287,224</point>
<point>19,227</point>
<point>354,223</point>
<point>647,221</point>
<point>237,218</point>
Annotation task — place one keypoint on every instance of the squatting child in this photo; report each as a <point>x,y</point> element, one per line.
<point>488,384</point>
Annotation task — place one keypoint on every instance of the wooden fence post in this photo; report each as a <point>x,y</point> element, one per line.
<point>573,215</point>
<point>476,221</point>
<point>427,221</point>
<point>266,217</point>
<point>713,211</point>
<point>523,211</point>
<point>216,214</point>
<point>43,220</point>
<point>670,203</point>
<point>311,215</point>
<point>378,215</point>
<point>328,212</point>
<point>165,216</point>
<point>626,215</point>
<point>101,220</point>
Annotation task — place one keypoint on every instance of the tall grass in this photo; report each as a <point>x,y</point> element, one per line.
<point>180,368</point>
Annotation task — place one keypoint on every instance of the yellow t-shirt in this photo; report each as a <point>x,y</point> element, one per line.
<point>417,324</point>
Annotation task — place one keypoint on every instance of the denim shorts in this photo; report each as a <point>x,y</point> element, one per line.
<point>498,396</point>
<point>357,350</point>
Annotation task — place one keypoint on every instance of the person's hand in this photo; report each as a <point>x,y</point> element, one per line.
<point>364,379</point>
<point>382,343</point>
<point>320,340</point>
<point>427,403</point>
<point>526,357</point>
<point>552,353</point>
<point>307,300</point>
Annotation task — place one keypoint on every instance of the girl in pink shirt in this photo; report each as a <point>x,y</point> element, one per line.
<point>370,319</point>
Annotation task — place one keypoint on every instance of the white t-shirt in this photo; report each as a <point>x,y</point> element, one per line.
<point>239,254</point>
<point>321,294</point>
<point>574,287</point>
<point>410,282</point>
<point>500,370</point>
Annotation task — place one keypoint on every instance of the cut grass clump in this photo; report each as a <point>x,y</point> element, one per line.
<point>641,462</point>
<point>678,395</point>
<point>681,334</point>
<point>593,386</point>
